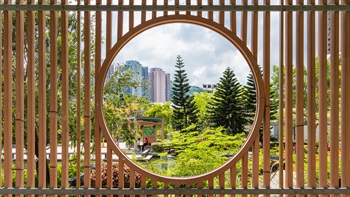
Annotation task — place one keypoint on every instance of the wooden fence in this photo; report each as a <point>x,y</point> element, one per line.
<point>35,44</point>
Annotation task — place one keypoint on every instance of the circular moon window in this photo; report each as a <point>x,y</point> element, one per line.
<point>179,100</point>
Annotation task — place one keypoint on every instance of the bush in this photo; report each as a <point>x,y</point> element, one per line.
<point>159,147</point>
<point>115,178</point>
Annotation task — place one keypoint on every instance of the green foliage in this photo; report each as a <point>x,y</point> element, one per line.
<point>164,111</point>
<point>118,107</point>
<point>185,111</point>
<point>227,105</point>
<point>202,101</point>
<point>197,153</point>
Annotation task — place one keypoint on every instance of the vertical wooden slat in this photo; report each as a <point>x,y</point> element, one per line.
<point>143,184</point>
<point>210,13</point>
<point>131,16</point>
<point>199,13</point>
<point>177,3</point>
<point>345,99</point>
<point>222,14</point>
<point>188,2</point>
<point>199,186</point>
<point>254,37</point>
<point>300,98</point>
<point>42,98</point>
<point>222,182</point>
<point>1,92</point>
<point>256,145</point>
<point>322,93</point>
<point>154,13</point>
<point>108,47</point>
<point>120,21</point>
<point>87,96</point>
<point>98,61</point>
<point>121,175</point>
<point>211,186</point>
<point>53,97</point>
<point>311,92</point>
<point>8,98</point>
<point>166,3</point>
<point>255,163</point>
<point>334,104</point>
<point>244,175</point>
<point>281,100</point>
<point>143,13</point>
<point>244,27</point>
<point>289,96</point>
<point>154,187</point>
<point>166,186</point>
<point>266,129</point>
<point>19,97</point>
<point>233,18</point>
<point>109,27</point>
<point>233,174</point>
<point>65,100</point>
<point>78,127</point>
<point>31,100</point>
<point>132,180</point>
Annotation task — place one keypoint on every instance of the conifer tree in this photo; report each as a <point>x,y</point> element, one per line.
<point>227,106</point>
<point>250,104</point>
<point>185,111</point>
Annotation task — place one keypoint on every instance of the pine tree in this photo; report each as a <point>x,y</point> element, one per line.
<point>250,104</point>
<point>227,106</point>
<point>185,111</point>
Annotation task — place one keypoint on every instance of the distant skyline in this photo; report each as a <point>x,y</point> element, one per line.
<point>206,54</point>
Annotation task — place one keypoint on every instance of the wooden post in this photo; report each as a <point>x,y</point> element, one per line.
<point>42,98</point>
<point>300,98</point>
<point>334,104</point>
<point>266,75</point>
<point>65,96</point>
<point>19,97</point>
<point>345,99</point>
<point>311,98</point>
<point>53,97</point>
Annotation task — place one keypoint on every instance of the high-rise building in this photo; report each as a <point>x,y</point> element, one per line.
<point>160,85</point>
<point>136,67</point>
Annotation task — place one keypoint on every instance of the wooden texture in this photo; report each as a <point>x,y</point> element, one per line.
<point>334,102</point>
<point>65,97</point>
<point>289,97</point>
<point>266,75</point>
<point>311,99</point>
<point>30,31</point>
<point>281,100</point>
<point>7,98</point>
<point>53,97</point>
<point>345,99</point>
<point>300,99</point>
<point>36,68</point>
<point>19,163</point>
<point>87,96</point>
<point>42,98</point>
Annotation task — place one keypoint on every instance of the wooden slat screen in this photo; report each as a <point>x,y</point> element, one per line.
<point>35,91</point>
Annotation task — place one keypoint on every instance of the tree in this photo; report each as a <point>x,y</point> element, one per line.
<point>185,111</point>
<point>202,101</point>
<point>250,103</point>
<point>227,106</point>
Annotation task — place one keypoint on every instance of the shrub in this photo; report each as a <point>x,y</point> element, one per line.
<point>115,178</point>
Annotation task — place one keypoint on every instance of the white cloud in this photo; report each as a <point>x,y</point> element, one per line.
<point>206,54</point>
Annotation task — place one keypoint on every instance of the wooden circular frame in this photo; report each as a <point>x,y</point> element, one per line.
<point>231,37</point>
